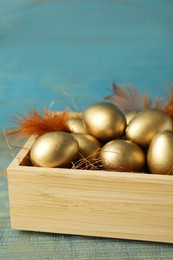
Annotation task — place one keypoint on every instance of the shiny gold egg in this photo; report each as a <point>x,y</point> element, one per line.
<point>54,149</point>
<point>76,125</point>
<point>160,153</point>
<point>146,124</point>
<point>130,115</point>
<point>104,121</point>
<point>122,155</point>
<point>89,146</point>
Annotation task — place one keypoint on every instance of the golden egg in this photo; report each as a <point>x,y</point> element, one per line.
<point>76,125</point>
<point>104,121</point>
<point>122,155</point>
<point>54,149</point>
<point>129,115</point>
<point>89,146</point>
<point>160,153</point>
<point>146,124</point>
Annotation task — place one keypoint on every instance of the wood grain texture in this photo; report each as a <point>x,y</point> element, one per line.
<point>95,203</point>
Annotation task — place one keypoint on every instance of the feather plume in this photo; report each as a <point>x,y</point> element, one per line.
<point>34,123</point>
<point>168,108</point>
<point>129,99</point>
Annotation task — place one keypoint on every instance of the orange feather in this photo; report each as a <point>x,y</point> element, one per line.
<point>168,108</point>
<point>34,123</point>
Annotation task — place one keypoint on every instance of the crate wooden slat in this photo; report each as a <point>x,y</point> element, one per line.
<point>92,203</point>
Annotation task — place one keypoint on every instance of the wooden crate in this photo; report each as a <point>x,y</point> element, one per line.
<point>92,203</point>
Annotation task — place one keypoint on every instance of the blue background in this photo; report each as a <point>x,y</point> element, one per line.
<point>71,51</point>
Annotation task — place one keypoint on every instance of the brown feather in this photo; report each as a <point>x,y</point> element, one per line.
<point>129,99</point>
<point>34,123</point>
<point>168,108</point>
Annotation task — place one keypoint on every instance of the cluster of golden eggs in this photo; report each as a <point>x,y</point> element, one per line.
<point>114,141</point>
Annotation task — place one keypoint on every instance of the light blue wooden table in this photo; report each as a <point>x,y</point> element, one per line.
<point>71,52</point>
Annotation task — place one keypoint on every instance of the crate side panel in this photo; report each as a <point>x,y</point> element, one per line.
<point>112,206</point>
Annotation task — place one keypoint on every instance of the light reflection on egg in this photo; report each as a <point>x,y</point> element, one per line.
<point>104,121</point>
<point>122,155</point>
<point>130,115</point>
<point>76,125</point>
<point>54,149</point>
<point>160,153</point>
<point>146,124</point>
<point>89,147</point>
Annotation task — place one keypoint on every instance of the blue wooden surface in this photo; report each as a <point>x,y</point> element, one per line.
<point>81,47</point>
<point>49,48</point>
